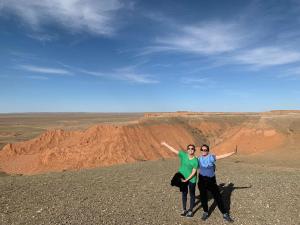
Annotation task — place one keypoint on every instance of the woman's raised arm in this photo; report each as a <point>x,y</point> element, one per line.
<point>163,143</point>
<point>225,155</point>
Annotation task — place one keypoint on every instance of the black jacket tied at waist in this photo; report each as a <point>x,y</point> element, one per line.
<point>177,181</point>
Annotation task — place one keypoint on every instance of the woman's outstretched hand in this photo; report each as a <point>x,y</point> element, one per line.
<point>225,155</point>
<point>163,143</point>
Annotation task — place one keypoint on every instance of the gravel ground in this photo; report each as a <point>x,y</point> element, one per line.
<point>140,193</point>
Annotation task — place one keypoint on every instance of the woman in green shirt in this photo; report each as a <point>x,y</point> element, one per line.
<point>188,168</point>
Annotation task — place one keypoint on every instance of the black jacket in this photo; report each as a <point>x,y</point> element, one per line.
<point>176,181</point>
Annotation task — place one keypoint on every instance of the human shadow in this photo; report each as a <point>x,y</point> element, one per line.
<point>225,191</point>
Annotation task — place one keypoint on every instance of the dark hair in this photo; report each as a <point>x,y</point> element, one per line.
<point>191,145</point>
<point>205,145</point>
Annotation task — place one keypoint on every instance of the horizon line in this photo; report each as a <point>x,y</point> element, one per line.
<point>140,112</point>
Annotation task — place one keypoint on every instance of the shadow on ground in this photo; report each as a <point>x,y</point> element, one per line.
<point>225,191</point>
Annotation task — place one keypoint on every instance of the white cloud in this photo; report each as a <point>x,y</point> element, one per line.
<point>267,56</point>
<point>137,78</point>
<point>44,70</point>
<point>209,38</point>
<point>92,73</point>
<point>226,43</point>
<point>92,16</point>
<point>130,74</point>
<point>126,74</point>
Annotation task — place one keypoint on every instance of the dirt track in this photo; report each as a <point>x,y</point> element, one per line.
<point>140,193</point>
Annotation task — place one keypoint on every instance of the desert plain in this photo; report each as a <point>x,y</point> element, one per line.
<point>95,168</point>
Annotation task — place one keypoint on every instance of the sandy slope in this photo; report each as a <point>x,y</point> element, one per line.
<point>100,145</point>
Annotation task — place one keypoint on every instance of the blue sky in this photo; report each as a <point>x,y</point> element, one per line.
<point>136,56</point>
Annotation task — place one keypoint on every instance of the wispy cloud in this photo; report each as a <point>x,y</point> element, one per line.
<point>225,43</point>
<point>128,74</point>
<point>231,42</point>
<point>267,56</point>
<point>131,75</point>
<point>207,39</point>
<point>44,70</point>
<point>91,16</point>
<point>92,73</point>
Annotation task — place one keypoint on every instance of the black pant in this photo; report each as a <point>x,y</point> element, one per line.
<point>209,184</point>
<point>192,189</point>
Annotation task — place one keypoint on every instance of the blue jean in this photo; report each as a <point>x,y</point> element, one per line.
<point>192,189</point>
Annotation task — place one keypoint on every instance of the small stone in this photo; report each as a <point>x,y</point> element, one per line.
<point>40,210</point>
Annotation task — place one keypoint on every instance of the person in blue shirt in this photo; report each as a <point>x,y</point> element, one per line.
<point>207,182</point>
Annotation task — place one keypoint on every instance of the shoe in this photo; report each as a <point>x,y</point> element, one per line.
<point>204,216</point>
<point>227,217</point>
<point>189,214</point>
<point>184,212</point>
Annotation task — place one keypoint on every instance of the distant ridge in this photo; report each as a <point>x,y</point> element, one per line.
<point>110,144</point>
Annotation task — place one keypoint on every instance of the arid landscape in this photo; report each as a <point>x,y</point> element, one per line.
<point>72,142</point>
<point>111,169</point>
<point>97,98</point>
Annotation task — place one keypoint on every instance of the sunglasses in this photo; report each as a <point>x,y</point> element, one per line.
<point>204,150</point>
<point>191,149</point>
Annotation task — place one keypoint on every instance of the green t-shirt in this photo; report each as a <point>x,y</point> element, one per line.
<point>187,165</point>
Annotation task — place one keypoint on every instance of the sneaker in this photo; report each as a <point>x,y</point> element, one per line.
<point>227,217</point>
<point>204,216</point>
<point>184,212</point>
<point>189,214</point>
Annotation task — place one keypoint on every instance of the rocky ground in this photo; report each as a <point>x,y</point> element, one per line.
<point>140,193</point>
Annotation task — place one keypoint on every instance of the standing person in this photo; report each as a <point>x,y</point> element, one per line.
<point>188,168</point>
<point>207,182</point>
